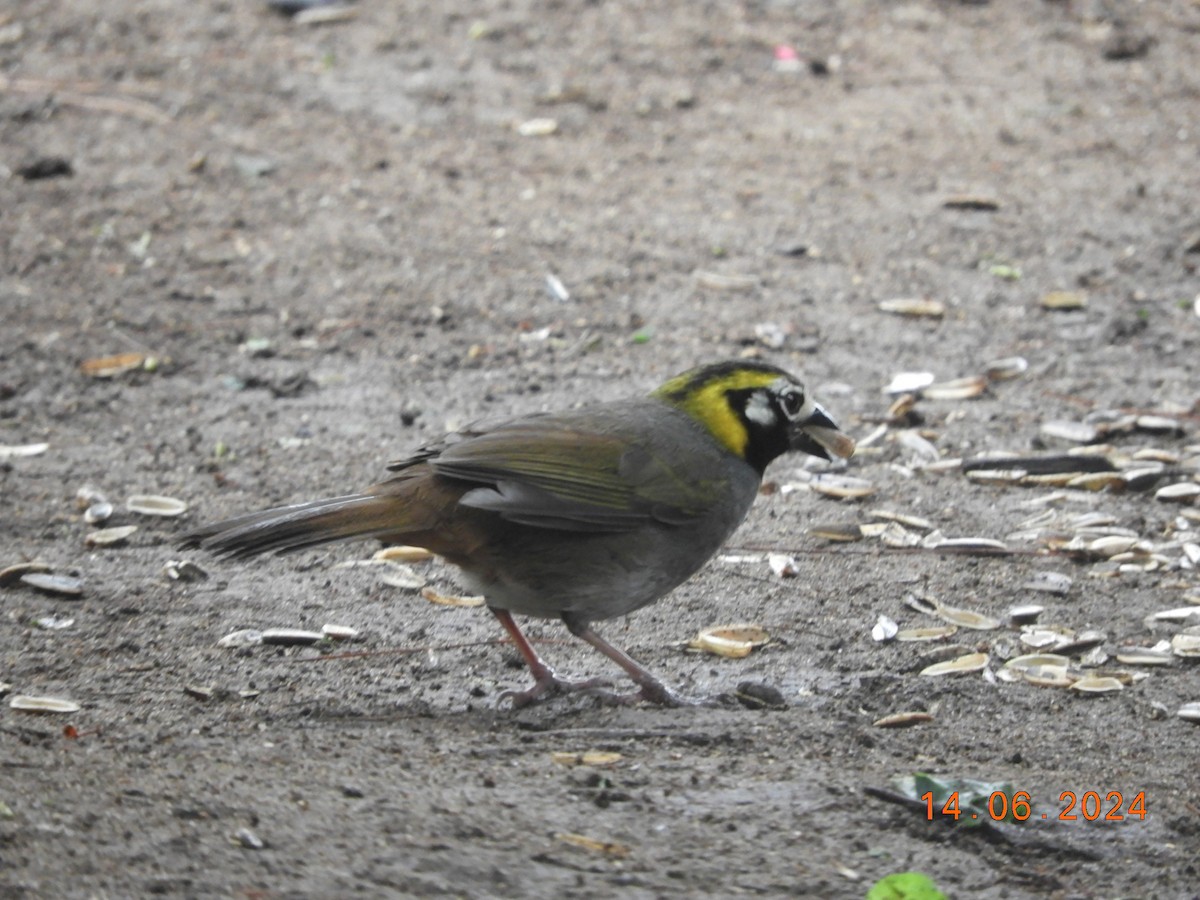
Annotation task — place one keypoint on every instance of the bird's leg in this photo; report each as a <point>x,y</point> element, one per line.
<point>650,688</point>
<point>545,679</point>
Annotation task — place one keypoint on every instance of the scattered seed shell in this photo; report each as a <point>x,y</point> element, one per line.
<point>27,703</point>
<point>715,281</point>
<point>17,451</point>
<point>837,532</point>
<point>1144,656</point>
<point>583,842</point>
<point>537,127</point>
<point>450,599</point>
<point>247,637</point>
<point>902,720</point>
<point>1181,492</point>
<point>1072,432</point>
<point>64,585</point>
<point>155,505</point>
<point>914,306</point>
<point>1064,300</point>
<point>1009,367</point>
<point>10,575</point>
<point>971,546</point>
<point>965,618</point>
<point>963,665</point>
<point>783,565</point>
<point>972,203</point>
<point>339,632</point>
<point>1026,614</point>
<point>1190,712</point>
<point>1050,583</point>
<point>731,641</point>
<point>1033,660</point>
<point>595,758</point>
<point>1186,646</point>
<point>930,633</point>
<point>1178,614</point>
<point>111,366</point>
<point>98,512</point>
<point>885,629</point>
<point>290,637</point>
<point>842,487</point>
<point>403,554</point>
<point>909,382</point>
<point>1097,684</point>
<point>184,570</point>
<point>958,389</point>
<point>401,576</point>
<point>106,537</point>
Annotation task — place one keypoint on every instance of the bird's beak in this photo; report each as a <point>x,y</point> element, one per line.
<point>818,435</point>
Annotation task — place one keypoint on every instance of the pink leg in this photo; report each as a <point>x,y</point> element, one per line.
<point>650,688</point>
<point>545,679</point>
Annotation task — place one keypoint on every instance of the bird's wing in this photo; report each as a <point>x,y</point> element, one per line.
<point>550,473</point>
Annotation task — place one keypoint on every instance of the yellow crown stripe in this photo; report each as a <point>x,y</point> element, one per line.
<point>704,395</point>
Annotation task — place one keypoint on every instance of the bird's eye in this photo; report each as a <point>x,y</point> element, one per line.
<point>792,402</point>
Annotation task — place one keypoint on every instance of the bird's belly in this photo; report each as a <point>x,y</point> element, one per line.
<point>594,576</point>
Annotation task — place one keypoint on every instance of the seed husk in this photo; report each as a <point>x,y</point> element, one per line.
<point>1097,684</point>
<point>732,641</point>
<point>1072,432</point>
<point>98,512</point>
<point>966,618</point>
<point>111,366</point>
<point>1063,300</point>
<point>930,633</point>
<point>1144,656</point>
<point>403,554</point>
<point>398,575</point>
<point>971,546</point>
<point>959,389</point>
<point>27,703</point>
<point>64,585</point>
<point>914,306</point>
<point>963,665</point>
<point>1009,367</point>
<point>441,599</point>
<point>1180,492</point>
<point>155,505</point>
<point>902,720</point>
<point>10,575</point>
<point>1050,583</point>
<point>339,632</point>
<point>1186,646</point>
<point>290,637</point>
<point>842,533</point>
<point>884,629</point>
<point>909,382</point>
<point>1190,712</point>
<point>247,637</point>
<point>843,487</point>
<point>107,537</point>
<point>17,451</point>
<point>184,570</point>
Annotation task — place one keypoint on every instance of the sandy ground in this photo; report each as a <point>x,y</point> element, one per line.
<point>334,239</point>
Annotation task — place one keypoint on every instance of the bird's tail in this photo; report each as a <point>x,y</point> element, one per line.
<point>288,528</point>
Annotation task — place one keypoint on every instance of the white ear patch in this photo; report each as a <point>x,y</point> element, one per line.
<point>760,411</point>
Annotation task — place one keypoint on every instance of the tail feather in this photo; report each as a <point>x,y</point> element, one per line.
<point>286,529</point>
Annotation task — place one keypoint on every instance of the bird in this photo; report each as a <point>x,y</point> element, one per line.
<point>580,515</point>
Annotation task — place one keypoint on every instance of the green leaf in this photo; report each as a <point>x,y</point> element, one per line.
<point>905,886</point>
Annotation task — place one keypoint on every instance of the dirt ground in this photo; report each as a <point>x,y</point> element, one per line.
<point>335,240</point>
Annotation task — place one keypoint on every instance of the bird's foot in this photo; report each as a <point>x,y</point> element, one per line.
<point>547,684</point>
<point>654,692</point>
